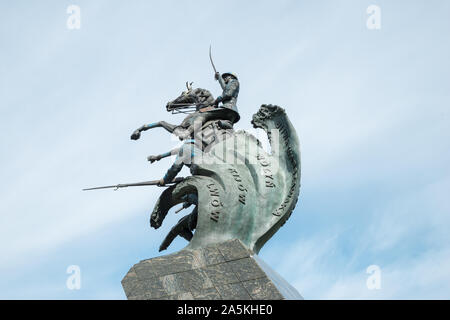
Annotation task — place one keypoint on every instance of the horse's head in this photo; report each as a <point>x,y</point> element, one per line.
<point>185,99</point>
<point>195,98</point>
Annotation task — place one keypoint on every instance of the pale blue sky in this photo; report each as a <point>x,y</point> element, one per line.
<point>371,109</point>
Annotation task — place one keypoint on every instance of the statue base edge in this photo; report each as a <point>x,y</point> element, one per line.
<point>223,271</point>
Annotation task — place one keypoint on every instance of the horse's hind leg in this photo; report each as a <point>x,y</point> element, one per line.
<point>183,228</point>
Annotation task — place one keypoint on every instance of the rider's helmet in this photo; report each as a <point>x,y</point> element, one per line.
<point>232,74</point>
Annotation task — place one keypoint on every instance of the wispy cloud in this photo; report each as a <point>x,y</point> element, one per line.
<point>406,237</point>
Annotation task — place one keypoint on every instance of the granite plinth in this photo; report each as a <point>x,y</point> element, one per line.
<point>223,271</point>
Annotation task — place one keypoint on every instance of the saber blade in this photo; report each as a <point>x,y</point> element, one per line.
<point>210,58</point>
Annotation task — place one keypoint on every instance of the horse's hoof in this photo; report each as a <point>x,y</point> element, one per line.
<point>152,159</point>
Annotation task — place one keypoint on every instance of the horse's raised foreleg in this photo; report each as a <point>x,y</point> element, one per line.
<point>163,155</point>
<point>169,127</point>
<point>137,133</point>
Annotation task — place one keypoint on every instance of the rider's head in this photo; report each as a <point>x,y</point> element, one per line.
<point>227,76</point>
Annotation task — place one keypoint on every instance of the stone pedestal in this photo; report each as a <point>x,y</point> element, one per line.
<point>224,271</point>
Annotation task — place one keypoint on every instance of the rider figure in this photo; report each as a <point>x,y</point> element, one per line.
<point>230,86</point>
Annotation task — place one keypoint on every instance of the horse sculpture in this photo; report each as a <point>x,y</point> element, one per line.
<point>199,104</point>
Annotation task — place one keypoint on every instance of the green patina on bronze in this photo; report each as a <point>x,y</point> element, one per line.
<point>243,191</point>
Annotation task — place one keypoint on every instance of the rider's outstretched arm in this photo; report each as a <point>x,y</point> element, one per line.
<point>222,82</point>
<point>219,78</point>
